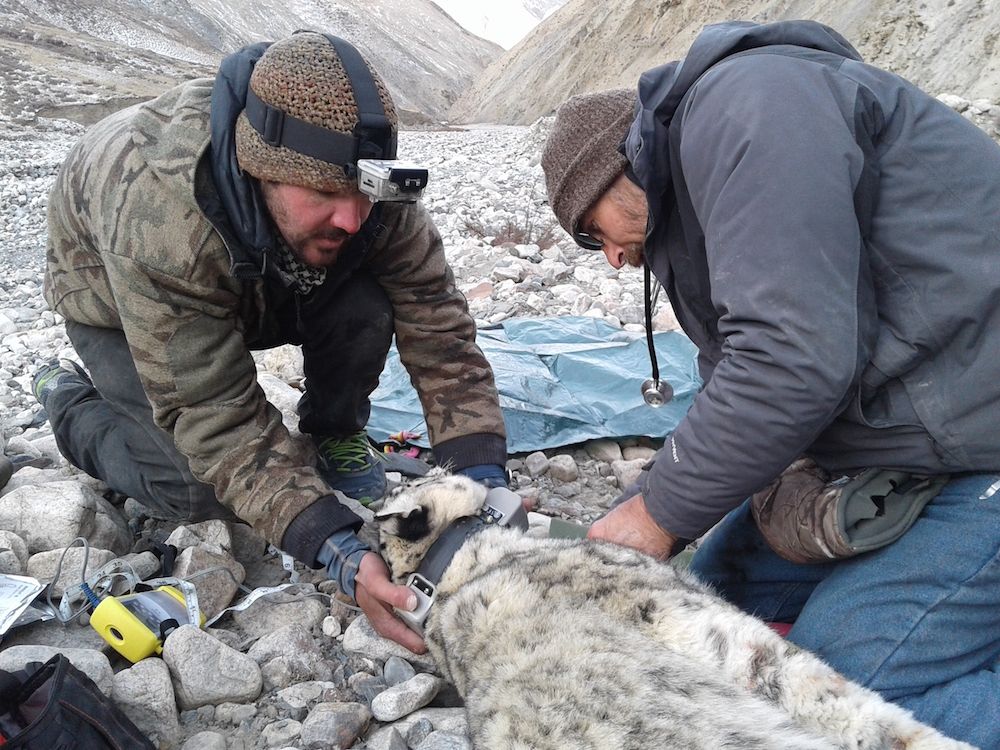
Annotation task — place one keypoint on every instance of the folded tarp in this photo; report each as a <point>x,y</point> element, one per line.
<point>562,380</point>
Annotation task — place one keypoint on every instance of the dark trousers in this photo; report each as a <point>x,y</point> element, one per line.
<point>107,429</point>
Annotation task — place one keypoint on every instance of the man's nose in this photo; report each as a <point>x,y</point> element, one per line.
<point>350,212</point>
<point>615,254</point>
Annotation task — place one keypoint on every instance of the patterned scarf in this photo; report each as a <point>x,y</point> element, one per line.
<point>296,273</point>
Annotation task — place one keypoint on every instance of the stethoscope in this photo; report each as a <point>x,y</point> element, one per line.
<point>655,392</point>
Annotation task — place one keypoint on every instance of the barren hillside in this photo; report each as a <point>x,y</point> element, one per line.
<point>587,45</point>
<point>74,57</point>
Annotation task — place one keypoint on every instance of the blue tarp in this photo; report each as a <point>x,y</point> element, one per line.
<point>561,380</point>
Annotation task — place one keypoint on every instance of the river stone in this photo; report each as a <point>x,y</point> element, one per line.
<point>146,695</point>
<point>406,697</point>
<point>49,516</point>
<point>92,663</point>
<point>207,672</point>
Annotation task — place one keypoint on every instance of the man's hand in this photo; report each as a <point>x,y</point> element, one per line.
<point>630,525</point>
<point>376,594</point>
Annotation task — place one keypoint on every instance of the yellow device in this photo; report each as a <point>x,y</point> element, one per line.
<point>135,625</point>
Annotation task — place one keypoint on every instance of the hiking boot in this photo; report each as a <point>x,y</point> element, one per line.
<point>351,465</point>
<point>51,375</point>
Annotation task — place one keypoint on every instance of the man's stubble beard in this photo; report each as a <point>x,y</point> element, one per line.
<point>281,218</point>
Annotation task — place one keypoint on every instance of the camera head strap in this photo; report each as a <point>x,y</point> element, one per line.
<point>373,137</point>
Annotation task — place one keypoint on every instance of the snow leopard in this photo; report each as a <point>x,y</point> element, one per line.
<point>559,644</point>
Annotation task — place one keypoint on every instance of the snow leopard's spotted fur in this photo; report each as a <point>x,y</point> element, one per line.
<point>565,645</point>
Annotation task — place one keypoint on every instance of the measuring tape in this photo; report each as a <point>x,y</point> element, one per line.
<point>136,625</point>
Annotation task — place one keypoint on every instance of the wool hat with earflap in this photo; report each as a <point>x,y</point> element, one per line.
<point>304,78</point>
<point>581,157</point>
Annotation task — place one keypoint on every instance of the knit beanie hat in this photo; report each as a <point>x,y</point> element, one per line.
<point>581,157</point>
<point>304,78</point>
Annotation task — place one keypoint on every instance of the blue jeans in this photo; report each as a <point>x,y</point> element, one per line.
<point>917,621</point>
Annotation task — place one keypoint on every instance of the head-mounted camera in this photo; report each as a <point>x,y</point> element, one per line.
<point>391,180</point>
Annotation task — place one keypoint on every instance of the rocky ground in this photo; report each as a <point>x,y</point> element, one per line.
<point>299,668</point>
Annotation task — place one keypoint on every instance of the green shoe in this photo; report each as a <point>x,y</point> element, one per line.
<point>350,464</point>
<point>51,375</point>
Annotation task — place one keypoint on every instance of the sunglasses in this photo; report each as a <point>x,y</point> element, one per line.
<point>586,240</point>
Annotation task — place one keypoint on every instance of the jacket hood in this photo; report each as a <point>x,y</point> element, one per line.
<point>662,88</point>
<point>239,194</point>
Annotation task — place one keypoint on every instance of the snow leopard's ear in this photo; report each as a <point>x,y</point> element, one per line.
<point>411,523</point>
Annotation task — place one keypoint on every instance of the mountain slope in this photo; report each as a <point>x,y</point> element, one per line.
<point>588,45</point>
<point>425,57</point>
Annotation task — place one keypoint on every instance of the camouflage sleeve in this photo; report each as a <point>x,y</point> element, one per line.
<point>436,339</point>
<point>201,382</point>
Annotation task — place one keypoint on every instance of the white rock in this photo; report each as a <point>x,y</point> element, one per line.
<point>638,452</point>
<point>563,468</point>
<point>265,616</point>
<point>299,696</point>
<point>214,535</point>
<point>205,741</point>
<point>217,588</point>
<point>49,516</point>
<point>536,463</point>
<point>6,325</point>
<point>332,626</point>
<point>42,565</point>
<point>331,725</point>
<point>14,554</point>
<point>438,740</point>
<point>284,361</point>
<point>92,663</point>
<point>406,697</point>
<point>46,447</point>
<point>110,529</point>
<point>361,638</point>
<point>146,695</point>
<point>207,672</point>
<point>19,444</point>
<point>442,719</point>
<point>283,397</point>
<point>604,450</point>
<point>288,655</point>
<point>627,472</point>
<point>507,273</point>
<point>280,733</point>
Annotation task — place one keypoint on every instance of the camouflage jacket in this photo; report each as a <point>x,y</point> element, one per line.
<point>130,248</point>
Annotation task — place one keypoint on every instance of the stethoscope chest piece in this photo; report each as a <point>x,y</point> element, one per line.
<point>656,392</point>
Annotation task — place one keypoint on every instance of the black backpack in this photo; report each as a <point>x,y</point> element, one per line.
<point>55,706</point>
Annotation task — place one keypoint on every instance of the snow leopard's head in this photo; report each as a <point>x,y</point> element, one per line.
<point>416,513</point>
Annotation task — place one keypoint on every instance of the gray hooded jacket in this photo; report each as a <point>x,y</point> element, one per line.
<point>829,237</point>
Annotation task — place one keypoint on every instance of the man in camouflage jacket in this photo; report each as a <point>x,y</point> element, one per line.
<point>181,237</point>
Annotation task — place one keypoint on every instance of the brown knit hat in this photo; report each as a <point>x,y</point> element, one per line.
<point>581,157</point>
<point>303,77</point>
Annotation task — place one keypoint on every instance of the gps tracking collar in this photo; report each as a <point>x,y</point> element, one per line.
<point>500,508</point>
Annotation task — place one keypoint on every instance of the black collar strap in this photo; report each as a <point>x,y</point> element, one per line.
<point>440,555</point>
